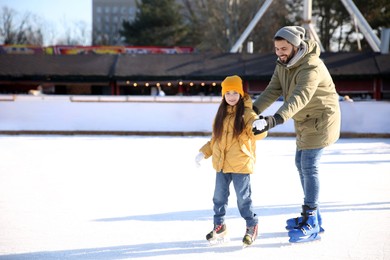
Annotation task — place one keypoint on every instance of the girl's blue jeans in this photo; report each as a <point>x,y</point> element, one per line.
<point>307,162</point>
<point>242,186</point>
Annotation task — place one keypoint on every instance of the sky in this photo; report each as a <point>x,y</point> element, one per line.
<point>58,14</point>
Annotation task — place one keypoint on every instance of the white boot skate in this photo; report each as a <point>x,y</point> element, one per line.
<point>250,236</point>
<point>218,235</point>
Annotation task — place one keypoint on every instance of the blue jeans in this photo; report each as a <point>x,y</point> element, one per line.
<point>242,186</point>
<point>307,163</point>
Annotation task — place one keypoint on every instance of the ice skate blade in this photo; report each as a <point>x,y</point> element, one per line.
<point>305,239</point>
<point>246,245</point>
<point>219,241</point>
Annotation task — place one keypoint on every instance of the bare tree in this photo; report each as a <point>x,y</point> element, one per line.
<point>336,28</point>
<point>221,22</point>
<point>75,34</point>
<point>19,31</point>
<point>30,29</point>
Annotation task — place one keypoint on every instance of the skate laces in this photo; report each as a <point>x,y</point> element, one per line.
<point>251,230</point>
<point>218,228</point>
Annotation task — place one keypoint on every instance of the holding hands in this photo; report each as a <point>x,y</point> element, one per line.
<point>259,125</point>
<point>265,123</point>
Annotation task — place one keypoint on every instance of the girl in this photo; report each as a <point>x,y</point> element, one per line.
<point>232,147</point>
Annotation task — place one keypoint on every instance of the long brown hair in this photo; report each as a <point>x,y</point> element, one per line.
<point>221,115</point>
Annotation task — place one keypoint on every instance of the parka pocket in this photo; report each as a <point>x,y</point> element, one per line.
<point>309,126</point>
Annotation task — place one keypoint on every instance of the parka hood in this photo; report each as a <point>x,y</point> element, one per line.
<point>308,52</point>
<point>247,101</point>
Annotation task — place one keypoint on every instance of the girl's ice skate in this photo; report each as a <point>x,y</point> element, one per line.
<point>250,236</point>
<point>218,235</point>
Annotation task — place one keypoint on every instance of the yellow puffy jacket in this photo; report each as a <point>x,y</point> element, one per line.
<point>235,155</point>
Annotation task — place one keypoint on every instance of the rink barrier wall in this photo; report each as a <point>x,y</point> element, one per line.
<point>154,115</point>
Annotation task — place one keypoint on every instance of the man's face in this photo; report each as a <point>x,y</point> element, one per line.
<point>284,50</point>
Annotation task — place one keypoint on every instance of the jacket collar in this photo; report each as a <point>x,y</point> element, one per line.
<point>307,51</point>
<point>299,55</point>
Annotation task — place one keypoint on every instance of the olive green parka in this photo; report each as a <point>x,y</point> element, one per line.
<point>309,95</point>
<point>231,154</point>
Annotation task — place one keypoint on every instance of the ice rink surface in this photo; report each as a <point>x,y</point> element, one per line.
<point>133,197</point>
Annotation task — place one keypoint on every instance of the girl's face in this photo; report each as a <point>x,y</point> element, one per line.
<point>232,97</point>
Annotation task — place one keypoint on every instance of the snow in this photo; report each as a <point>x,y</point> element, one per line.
<point>133,197</point>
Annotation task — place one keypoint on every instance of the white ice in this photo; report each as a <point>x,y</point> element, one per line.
<point>132,197</point>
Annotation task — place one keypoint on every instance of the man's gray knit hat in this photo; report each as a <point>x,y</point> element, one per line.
<point>293,34</point>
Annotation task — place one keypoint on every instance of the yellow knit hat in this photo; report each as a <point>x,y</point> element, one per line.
<point>232,83</point>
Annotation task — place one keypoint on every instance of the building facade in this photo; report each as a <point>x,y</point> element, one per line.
<point>107,18</point>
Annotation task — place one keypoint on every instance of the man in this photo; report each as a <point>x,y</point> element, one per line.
<point>311,100</point>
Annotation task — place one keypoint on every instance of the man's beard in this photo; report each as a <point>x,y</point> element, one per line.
<point>292,54</point>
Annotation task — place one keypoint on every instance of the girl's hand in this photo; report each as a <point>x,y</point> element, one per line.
<point>199,158</point>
